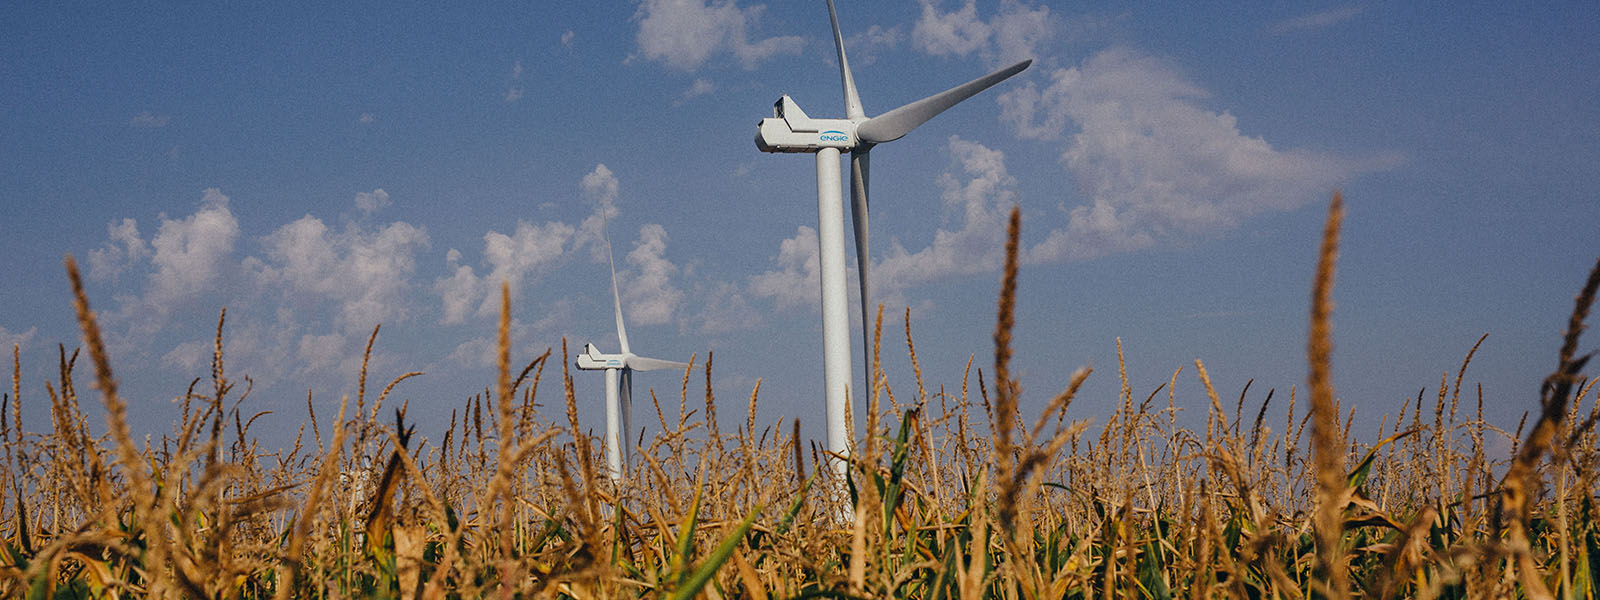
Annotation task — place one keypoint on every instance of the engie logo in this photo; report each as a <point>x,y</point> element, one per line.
<point>835,136</point>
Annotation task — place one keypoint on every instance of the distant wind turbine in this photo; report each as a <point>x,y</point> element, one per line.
<point>790,130</point>
<point>619,370</point>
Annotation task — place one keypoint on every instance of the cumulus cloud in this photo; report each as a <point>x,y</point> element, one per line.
<point>325,349</point>
<point>149,120</point>
<point>1154,162</point>
<point>1016,32</point>
<point>978,198</point>
<point>483,352</point>
<point>864,47</point>
<point>700,87</point>
<point>189,254</point>
<point>190,356</point>
<point>1316,20</point>
<point>686,33</point>
<point>529,253</point>
<point>723,308</point>
<point>514,92</point>
<point>649,295</point>
<point>365,274</point>
<point>519,258</point>
<point>599,189</point>
<point>459,291</point>
<point>123,249</point>
<point>1020,32</point>
<point>296,302</point>
<point>370,202</point>
<point>526,252</point>
<point>957,33</point>
<point>9,340</point>
<point>798,279</point>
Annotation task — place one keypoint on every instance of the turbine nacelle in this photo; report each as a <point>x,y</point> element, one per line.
<point>791,130</point>
<point>593,360</point>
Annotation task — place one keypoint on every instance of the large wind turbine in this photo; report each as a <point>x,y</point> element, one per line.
<point>619,370</point>
<point>791,130</point>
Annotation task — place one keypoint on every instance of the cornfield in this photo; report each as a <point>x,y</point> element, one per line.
<point>948,494</point>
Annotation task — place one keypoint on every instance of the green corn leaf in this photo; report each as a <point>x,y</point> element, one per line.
<point>794,507</point>
<point>1358,476</point>
<point>703,573</point>
<point>686,530</point>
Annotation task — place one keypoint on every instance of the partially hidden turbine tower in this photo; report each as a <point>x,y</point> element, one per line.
<point>619,370</point>
<point>791,130</point>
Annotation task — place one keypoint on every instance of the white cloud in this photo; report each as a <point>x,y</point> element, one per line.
<point>686,33</point>
<point>483,352</point>
<point>459,291</point>
<point>370,202</point>
<point>189,254</point>
<point>9,340</point>
<point>599,189</point>
<point>558,316</point>
<point>366,118</point>
<point>723,309</point>
<point>528,251</point>
<point>124,249</point>
<point>514,92</point>
<point>516,259</point>
<point>864,47</point>
<point>1020,32</point>
<point>147,119</point>
<point>366,274</point>
<point>649,296</point>
<point>957,33</point>
<point>876,36</point>
<point>477,353</point>
<point>1015,33</point>
<point>320,349</point>
<point>190,356</point>
<point>1154,162</point>
<point>566,38</point>
<point>797,281</point>
<point>979,198</point>
<point>1317,20</point>
<point>700,87</point>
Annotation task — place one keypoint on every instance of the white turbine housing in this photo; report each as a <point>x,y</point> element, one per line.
<point>619,370</point>
<point>593,360</point>
<point>790,130</point>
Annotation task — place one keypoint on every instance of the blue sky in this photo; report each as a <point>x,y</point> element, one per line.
<point>318,170</point>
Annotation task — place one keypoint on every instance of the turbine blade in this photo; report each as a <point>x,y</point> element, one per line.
<point>640,363</point>
<point>625,407</point>
<point>859,179</point>
<point>892,125</point>
<point>852,102</point>
<point>622,332</point>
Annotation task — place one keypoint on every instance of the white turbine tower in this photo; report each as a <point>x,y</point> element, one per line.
<point>790,130</point>
<point>619,370</point>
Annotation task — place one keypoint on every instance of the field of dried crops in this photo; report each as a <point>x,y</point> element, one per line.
<point>952,495</point>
